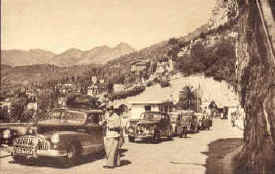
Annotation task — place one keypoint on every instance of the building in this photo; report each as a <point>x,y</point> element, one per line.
<point>138,66</point>
<point>165,65</point>
<point>137,108</point>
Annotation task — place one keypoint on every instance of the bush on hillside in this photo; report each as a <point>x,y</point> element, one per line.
<point>217,61</point>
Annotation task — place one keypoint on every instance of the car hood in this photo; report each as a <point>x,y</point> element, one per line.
<point>59,123</point>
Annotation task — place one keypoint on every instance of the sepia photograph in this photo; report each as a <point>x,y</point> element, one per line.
<point>137,87</point>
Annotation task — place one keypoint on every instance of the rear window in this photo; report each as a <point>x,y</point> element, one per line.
<point>151,116</point>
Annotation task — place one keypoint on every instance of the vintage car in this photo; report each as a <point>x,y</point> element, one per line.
<point>195,120</point>
<point>152,126</point>
<point>66,134</point>
<point>206,122</point>
<point>200,117</point>
<point>10,131</point>
<point>181,123</point>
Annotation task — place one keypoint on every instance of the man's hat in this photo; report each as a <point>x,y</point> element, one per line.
<point>109,107</point>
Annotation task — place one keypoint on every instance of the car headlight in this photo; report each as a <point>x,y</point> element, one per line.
<point>6,134</point>
<point>131,130</point>
<point>55,139</point>
<point>30,131</point>
<point>152,130</point>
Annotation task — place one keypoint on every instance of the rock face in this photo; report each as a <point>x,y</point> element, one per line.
<point>255,75</point>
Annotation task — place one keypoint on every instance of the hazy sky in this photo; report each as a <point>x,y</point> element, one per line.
<point>57,25</point>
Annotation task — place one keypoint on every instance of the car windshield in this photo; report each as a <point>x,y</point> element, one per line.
<point>188,114</point>
<point>151,116</point>
<point>174,117</point>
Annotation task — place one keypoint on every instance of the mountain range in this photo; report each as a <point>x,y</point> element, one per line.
<point>70,57</point>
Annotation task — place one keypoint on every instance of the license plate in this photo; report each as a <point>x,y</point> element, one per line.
<point>23,150</point>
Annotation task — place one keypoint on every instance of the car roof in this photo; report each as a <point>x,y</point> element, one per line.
<point>81,110</point>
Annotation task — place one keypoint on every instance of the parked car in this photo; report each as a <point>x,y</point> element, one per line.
<point>152,126</point>
<point>195,120</point>
<point>65,134</point>
<point>206,122</point>
<point>200,117</point>
<point>10,131</point>
<point>181,123</point>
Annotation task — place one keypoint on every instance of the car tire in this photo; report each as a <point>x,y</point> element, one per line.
<point>18,159</point>
<point>156,138</point>
<point>197,129</point>
<point>72,156</point>
<point>131,139</point>
<point>181,134</point>
<point>170,133</point>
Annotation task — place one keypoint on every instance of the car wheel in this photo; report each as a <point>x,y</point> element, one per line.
<point>196,129</point>
<point>170,134</point>
<point>181,134</point>
<point>71,158</point>
<point>175,132</point>
<point>156,138</point>
<point>131,139</point>
<point>18,159</point>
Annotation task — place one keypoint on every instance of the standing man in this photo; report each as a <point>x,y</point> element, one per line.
<point>111,139</point>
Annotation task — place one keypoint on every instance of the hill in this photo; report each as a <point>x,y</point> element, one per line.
<point>20,57</point>
<point>70,57</point>
<point>101,55</point>
<point>25,75</point>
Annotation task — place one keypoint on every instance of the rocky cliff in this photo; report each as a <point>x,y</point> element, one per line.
<point>251,27</point>
<point>255,77</point>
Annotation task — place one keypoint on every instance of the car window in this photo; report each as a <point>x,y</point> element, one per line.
<point>94,118</point>
<point>82,130</point>
<point>151,116</point>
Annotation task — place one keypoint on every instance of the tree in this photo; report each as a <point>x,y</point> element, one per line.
<point>186,98</point>
<point>255,76</point>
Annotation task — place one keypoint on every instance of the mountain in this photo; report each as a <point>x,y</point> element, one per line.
<point>101,55</point>
<point>70,57</point>
<point>16,57</point>
<point>97,55</point>
<point>67,58</point>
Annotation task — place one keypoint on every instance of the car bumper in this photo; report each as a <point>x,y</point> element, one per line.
<point>43,153</point>
<point>141,136</point>
<point>51,153</point>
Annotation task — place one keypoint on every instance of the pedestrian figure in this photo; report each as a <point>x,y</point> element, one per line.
<point>112,136</point>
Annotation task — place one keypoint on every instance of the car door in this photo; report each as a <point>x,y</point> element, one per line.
<point>165,123</point>
<point>95,132</point>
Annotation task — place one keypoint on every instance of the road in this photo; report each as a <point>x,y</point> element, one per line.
<point>181,155</point>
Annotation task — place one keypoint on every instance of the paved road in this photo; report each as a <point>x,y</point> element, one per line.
<point>174,157</point>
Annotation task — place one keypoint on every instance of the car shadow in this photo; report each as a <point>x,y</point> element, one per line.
<point>56,163</point>
<point>125,163</point>
<point>148,141</point>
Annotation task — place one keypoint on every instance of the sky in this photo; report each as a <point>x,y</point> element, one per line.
<point>58,25</point>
